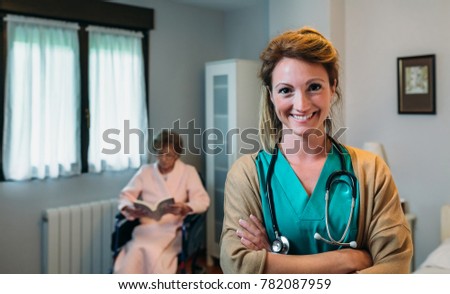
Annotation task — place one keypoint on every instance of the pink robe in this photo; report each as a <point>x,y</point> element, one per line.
<point>155,245</point>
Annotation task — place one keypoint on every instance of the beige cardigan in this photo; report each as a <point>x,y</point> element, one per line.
<point>382,228</point>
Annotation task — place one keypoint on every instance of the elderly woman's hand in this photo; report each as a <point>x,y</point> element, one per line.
<point>253,234</point>
<point>179,208</point>
<point>134,212</point>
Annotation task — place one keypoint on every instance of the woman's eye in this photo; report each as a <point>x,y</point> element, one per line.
<point>283,91</point>
<point>315,87</point>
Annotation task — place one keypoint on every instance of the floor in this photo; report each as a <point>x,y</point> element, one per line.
<point>202,268</point>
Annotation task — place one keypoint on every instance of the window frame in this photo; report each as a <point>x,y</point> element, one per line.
<point>85,13</point>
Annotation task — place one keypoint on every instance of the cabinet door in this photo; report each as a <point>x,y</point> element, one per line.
<point>232,96</point>
<point>217,149</point>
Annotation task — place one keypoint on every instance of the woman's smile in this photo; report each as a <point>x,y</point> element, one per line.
<point>301,95</point>
<point>302,118</point>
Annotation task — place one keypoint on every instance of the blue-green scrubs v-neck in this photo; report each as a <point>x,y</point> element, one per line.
<point>300,216</point>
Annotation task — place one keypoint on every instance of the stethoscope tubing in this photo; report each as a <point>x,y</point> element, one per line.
<point>280,239</point>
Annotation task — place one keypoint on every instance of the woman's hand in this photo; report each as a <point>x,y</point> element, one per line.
<point>253,234</point>
<point>179,208</point>
<point>134,212</point>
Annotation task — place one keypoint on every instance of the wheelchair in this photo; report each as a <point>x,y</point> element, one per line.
<point>193,234</point>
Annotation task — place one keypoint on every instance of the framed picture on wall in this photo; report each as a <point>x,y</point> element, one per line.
<point>416,84</point>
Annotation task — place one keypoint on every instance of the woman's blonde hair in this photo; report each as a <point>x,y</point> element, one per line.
<point>305,44</point>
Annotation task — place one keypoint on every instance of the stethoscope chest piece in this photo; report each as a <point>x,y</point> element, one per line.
<point>280,245</point>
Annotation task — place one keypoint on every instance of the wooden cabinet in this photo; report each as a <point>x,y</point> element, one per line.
<point>232,108</point>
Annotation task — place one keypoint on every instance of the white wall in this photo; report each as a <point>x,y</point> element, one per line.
<point>377,32</point>
<point>293,14</point>
<point>246,31</point>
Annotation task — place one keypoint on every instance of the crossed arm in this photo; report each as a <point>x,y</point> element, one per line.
<point>252,235</point>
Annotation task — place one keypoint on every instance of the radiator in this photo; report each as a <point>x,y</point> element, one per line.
<point>77,238</point>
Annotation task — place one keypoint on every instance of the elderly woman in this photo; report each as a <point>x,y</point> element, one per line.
<point>156,243</point>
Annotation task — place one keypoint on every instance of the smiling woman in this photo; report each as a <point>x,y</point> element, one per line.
<point>331,207</point>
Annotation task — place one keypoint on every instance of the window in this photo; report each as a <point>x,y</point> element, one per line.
<point>82,14</point>
<point>116,100</point>
<point>42,100</point>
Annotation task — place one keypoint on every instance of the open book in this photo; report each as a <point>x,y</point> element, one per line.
<point>154,210</point>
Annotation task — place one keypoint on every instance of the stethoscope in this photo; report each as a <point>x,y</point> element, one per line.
<point>281,243</point>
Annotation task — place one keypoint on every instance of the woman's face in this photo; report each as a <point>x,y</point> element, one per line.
<point>167,158</point>
<point>301,95</point>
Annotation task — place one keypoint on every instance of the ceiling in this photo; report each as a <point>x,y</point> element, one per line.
<point>224,5</point>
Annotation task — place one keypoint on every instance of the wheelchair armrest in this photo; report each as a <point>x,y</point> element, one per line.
<point>193,219</point>
<point>122,233</point>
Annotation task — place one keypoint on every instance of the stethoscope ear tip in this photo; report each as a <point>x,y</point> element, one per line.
<point>353,244</point>
<point>317,236</point>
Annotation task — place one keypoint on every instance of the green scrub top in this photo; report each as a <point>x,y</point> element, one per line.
<point>300,216</point>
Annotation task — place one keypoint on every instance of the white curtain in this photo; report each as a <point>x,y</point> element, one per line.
<point>118,116</point>
<point>42,99</point>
